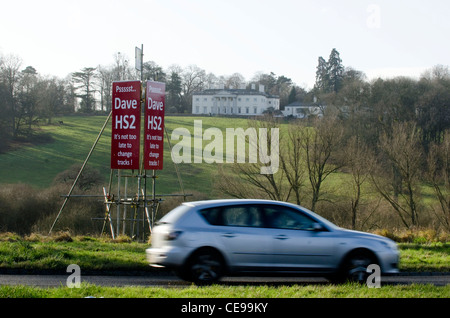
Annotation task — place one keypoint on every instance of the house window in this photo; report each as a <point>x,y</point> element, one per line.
<point>247,110</point>
<point>255,110</point>
<point>197,109</point>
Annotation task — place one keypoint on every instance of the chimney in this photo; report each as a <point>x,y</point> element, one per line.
<point>261,88</point>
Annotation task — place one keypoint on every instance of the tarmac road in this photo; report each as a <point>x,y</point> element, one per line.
<point>168,280</point>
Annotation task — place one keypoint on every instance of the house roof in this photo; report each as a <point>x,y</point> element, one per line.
<point>300,104</point>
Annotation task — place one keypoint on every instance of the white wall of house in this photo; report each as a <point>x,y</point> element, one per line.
<point>232,102</point>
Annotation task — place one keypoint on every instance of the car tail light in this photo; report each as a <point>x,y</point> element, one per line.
<point>173,235</point>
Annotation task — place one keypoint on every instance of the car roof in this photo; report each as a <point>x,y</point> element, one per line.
<point>231,201</point>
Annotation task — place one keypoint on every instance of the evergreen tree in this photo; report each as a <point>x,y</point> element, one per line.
<point>335,71</point>
<point>329,74</point>
<point>174,90</point>
<point>292,95</point>
<point>322,76</point>
<point>86,81</point>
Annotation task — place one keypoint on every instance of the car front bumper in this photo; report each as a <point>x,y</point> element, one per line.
<point>389,262</point>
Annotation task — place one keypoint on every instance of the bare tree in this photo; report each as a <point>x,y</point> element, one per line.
<point>304,153</point>
<point>360,162</point>
<point>246,180</point>
<point>293,166</point>
<point>321,145</point>
<point>122,69</point>
<point>106,78</point>
<point>194,79</point>
<point>438,162</point>
<point>235,80</point>
<point>397,176</point>
<point>10,76</point>
<point>53,98</point>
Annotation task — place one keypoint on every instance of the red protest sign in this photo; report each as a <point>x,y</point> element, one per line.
<point>126,125</point>
<point>154,125</point>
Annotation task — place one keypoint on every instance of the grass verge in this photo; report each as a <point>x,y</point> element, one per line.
<point>220,291</point>
<point>55,253</point>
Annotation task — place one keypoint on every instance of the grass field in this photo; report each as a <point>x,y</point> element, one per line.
<point>39,164</point>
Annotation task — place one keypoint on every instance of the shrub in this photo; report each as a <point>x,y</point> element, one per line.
<point>62,236</point>
<point>415,235</point>
<point>24,210</point>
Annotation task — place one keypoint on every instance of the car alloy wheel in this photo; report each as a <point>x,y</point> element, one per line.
<point>356,266</point>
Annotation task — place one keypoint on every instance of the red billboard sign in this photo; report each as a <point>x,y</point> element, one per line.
<point>126,125</point>
<point>154,125</point>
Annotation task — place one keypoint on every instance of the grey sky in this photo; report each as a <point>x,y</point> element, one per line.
<point>380,38</point>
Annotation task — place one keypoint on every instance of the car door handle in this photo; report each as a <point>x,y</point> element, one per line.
<point>281,237</point>
<point>229,235</point>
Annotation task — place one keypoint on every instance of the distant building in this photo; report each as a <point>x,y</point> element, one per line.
<point>237,102</point>
<point>303,110</point>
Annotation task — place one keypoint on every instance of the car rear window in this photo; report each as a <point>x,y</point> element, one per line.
<point>174,214</point>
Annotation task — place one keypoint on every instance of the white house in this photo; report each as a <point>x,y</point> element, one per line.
<point>238,102</point>
<point>302,110</point>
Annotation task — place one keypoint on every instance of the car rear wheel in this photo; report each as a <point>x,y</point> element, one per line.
<point>205,267</point>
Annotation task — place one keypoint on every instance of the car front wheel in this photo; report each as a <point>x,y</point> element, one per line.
<point>355,268</point>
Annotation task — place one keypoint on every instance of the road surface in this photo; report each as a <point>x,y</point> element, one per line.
<point>168,280</point>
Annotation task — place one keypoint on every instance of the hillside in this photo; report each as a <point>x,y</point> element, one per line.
<point>38,165</point>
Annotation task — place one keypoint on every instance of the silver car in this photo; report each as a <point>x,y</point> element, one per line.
<point>204,240</point>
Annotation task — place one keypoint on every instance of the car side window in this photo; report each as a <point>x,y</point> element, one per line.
<point>246,215</point>
<point>286,218</point>
<point>249,216</point>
